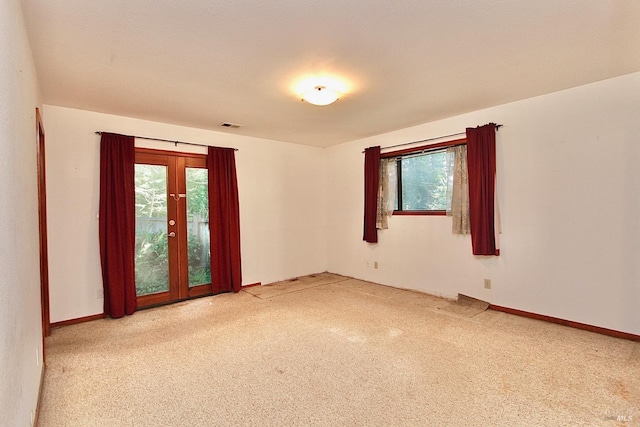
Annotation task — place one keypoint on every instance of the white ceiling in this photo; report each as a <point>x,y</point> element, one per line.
<point>201,62</point>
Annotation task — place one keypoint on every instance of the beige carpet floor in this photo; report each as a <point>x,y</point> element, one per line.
<point>327,350</point>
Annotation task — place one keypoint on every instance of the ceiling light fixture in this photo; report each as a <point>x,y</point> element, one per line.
<point>321,95</point>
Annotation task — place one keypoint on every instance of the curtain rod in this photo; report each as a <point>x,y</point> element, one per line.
<point>98,132</point>
<point>429,139</point>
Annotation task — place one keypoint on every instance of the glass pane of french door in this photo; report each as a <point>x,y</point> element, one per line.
<point>199,253</point>
<point>152,251</point>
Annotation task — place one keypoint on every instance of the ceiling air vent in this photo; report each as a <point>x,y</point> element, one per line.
<point>230,125</point>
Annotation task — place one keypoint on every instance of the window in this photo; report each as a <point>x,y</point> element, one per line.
<point>422,182</point>
<point>422,179</point>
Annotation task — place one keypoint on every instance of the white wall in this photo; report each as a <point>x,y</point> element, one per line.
<point>282,203</point>
<point>567,171</point>
<point>568,186</point>
<point>20,321</point>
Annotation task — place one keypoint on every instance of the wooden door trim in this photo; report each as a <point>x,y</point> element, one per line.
<point>42,229</point>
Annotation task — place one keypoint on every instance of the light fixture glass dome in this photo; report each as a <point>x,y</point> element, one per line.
<point>321,95</point>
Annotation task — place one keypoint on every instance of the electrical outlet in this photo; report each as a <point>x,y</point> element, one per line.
<point>368,264</point>
<point>375,265</point>
<point>99,293</point>
<point>487,283</point>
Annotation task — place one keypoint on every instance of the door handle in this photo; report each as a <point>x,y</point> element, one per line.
<point>172,234</point>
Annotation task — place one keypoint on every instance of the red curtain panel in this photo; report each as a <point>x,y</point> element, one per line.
<point>481,162</point>
<point>224,221</point>
<point>117,223</point>
<point>371,183</point>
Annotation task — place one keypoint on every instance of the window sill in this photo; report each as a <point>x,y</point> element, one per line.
<point>421,213</point>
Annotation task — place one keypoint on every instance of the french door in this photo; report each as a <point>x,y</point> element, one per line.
<point>172,254</point>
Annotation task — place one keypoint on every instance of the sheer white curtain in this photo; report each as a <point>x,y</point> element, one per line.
<point>386,193</point>
<point>458,189</point>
